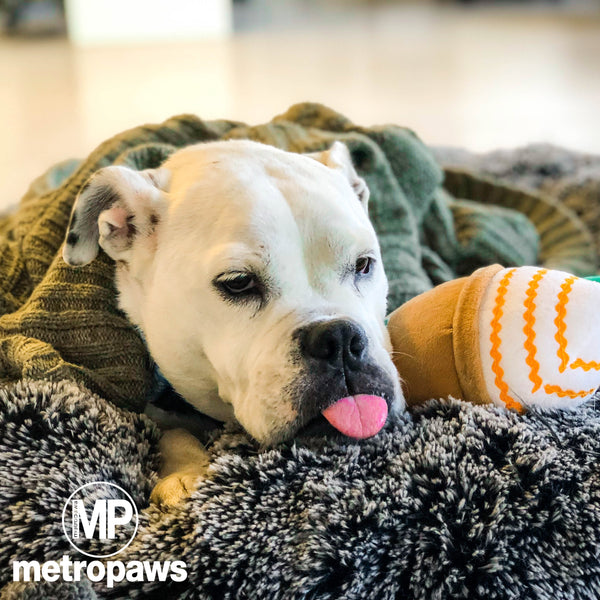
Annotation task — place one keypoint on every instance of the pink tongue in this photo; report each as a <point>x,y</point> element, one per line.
<point>359,416</point>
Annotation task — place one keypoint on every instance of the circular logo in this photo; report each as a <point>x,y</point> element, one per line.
<point>100,514</point>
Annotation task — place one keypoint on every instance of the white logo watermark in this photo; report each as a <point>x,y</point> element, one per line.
<point>100,514</point>
<point>108,514</point>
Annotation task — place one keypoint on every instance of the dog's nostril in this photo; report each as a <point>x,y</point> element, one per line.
<point>336,342</point>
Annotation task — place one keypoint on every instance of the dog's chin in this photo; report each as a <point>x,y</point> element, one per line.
<point>319,426</point>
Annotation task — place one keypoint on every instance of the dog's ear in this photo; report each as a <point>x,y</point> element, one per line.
<point>114,207</point>
<point>338,157</point>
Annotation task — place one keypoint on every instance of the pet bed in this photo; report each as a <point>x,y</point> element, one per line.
<point>451,501</point>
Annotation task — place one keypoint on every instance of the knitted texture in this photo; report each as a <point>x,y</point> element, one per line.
<point>561,178</point>
<point>456,501</point>
<point>62,323</point>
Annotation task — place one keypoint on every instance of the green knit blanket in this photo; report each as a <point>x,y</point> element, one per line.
<point>57,322</point>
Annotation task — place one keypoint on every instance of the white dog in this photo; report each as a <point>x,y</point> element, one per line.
<point>256,278</point>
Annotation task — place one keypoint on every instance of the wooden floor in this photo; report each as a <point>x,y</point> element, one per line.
<point>481,78</point>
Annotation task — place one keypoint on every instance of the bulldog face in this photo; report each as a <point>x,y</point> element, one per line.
<point>256,278</point>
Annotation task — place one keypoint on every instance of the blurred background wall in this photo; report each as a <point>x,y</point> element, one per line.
<point>473,73</point>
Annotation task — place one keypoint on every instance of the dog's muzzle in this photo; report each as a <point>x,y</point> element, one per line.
<point>342,383</point>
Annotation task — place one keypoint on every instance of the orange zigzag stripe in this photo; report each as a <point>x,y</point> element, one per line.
<point>586,366</point>
<point>556,389</point>
<point>561,313</point>
<point>495,339</point>
<point>529,345</point>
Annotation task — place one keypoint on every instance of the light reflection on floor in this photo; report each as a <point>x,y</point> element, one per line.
<point>481,78</point>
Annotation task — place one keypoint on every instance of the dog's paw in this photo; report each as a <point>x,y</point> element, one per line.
<point>174,488</point>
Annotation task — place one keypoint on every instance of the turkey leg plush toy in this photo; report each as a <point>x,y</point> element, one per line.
<point>520,338</point>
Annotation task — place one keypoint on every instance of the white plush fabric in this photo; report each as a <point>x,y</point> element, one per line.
<point>539,338</point>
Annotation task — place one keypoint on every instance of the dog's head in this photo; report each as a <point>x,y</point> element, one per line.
<point>256,278</point>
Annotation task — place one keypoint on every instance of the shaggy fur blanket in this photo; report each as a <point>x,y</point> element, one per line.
<point>453,501</point>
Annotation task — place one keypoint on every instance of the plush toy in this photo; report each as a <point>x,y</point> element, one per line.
<point>520,338</point>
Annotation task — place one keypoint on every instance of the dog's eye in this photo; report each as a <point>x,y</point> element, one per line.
<point>363,265</point>
<point>239,284</point>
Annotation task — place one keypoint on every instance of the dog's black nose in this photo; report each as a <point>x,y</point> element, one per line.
<point>338,343</point>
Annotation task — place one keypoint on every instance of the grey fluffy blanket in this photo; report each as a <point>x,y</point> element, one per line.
<point>455,501</point>
<point>451,501</point>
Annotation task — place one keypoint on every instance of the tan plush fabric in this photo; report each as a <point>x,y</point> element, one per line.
<point>423,347</point>
<point>465,326</point>
<point>435,341</point>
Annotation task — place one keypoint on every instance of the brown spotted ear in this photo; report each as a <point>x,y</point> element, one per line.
<point>115,206</point>
<point>338,157</point>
